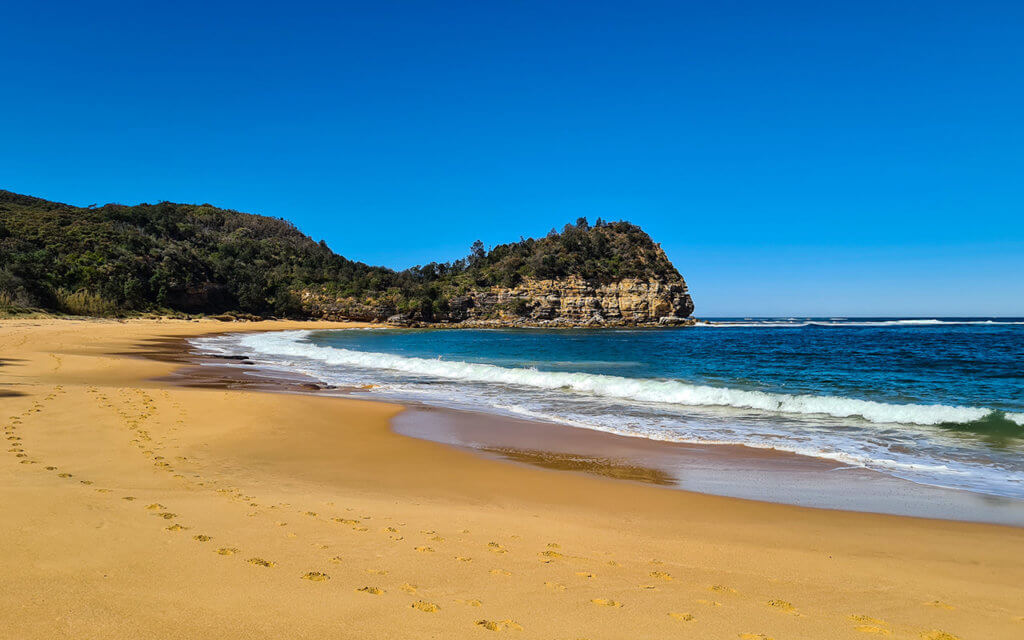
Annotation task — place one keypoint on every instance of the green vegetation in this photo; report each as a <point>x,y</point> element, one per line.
<point>119,260</point>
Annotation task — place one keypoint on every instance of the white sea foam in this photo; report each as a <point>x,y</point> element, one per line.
<point>292,344</point>
<point>874,460</point>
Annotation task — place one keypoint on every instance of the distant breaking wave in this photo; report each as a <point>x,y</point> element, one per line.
<point>838,322</point>
<point>292,344</point>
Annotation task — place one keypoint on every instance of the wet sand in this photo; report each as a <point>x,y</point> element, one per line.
<point>724,470</point>
<point>133,507</point>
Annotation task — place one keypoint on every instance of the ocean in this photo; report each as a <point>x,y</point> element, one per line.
<point>936,401</point>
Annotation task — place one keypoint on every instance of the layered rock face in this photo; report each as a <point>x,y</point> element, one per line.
<point>573,301</point>
<point>566,302</point>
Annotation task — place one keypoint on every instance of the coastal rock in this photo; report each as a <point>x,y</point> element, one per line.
<point>573,301</point>
<point>563,302</point>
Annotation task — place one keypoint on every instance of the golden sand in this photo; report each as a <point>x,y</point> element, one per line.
<point>130,508</point>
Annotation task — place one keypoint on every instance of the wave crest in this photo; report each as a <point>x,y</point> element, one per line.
<point>673,392</point>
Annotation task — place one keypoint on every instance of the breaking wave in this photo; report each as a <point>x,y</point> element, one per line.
<point>672,392</point>
<point>841,322</point>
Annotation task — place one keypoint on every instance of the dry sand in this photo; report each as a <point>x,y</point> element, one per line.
<point>130,508</point>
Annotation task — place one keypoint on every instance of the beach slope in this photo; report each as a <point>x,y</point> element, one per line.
<point>132,507</point>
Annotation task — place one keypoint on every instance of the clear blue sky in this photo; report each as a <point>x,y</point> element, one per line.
<point>791,157</point>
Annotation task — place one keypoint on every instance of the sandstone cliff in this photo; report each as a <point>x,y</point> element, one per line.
<point>573,301</point>
<point>567,302</point>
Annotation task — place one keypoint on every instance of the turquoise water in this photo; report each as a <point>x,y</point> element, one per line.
<point>935,401</point>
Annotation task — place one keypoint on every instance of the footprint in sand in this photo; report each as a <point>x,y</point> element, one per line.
<point>938,604</point>
<point>371,590</point>
<point>64,475</point>
<point>202,538</point>
<point>260,562</point>
<point>316,576</point>
<point>176,527</point>
<point>156,506</point>
<point>783,605</point>
<point>867,624</point>
<point>424,549</point>
<point>377,572</point>
<point>870,628</point>
<point>684,617</point>
<point>709,603</point>
<point>499,625</point>
<point>227,551</point>
<point>337,559</point>
<point>604,602</point>
<point>555,586</point>
<point>473,602</point>
<point>408,588</point>
<point>463,559</point>
<point>721,589</point>
<point>936,634</point>
<point>661,575</point>
<point>426,607</point>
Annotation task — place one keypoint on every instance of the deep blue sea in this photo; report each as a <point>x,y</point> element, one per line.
<point>935,401</point>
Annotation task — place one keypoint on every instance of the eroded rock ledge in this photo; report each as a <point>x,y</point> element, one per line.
<point>567,302</point>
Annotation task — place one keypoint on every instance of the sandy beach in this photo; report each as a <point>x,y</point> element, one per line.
<point>133,507</point>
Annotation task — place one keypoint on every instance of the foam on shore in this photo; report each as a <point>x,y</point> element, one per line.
<point>674,392</point>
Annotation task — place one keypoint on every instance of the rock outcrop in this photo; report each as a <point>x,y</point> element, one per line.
<point>575,302</point>
<point>567,302</point>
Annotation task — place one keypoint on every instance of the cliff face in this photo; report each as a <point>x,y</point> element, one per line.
<point>573,301</point>
<point>565,302</point>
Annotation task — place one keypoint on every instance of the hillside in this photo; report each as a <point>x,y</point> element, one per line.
<point>120,260</point>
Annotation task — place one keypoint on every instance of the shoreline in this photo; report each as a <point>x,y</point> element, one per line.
<point>735,471</point>
<point>296,515</point>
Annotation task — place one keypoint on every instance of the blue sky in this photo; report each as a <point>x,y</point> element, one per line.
<point>791,157</point>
